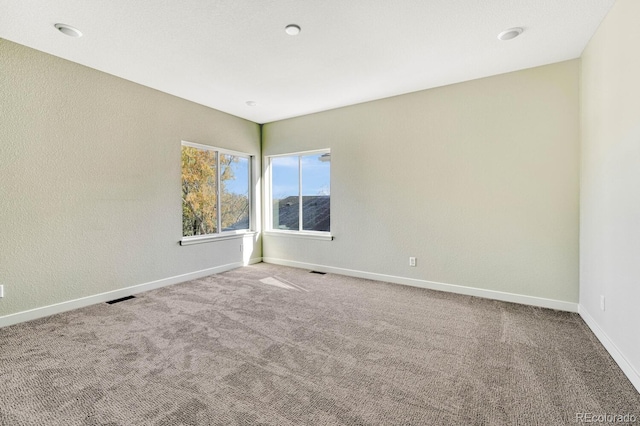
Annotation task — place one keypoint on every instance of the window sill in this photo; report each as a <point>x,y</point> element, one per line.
<point>187,241</point>
<point>323,236</point>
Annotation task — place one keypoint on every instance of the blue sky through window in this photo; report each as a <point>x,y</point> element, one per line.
<point>240,183</point>
<point>315,176</point>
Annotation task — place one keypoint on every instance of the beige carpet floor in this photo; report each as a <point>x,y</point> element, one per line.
<point>270,345</point>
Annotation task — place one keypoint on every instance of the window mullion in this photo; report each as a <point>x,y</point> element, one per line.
<point>250,192</point>
<point>218,203</point>
<point>300,193</point>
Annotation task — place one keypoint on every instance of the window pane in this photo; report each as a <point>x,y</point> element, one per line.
<point>234,192</point>
<point>199,175</point>
<point>285,193</point>
<point>316,192</point>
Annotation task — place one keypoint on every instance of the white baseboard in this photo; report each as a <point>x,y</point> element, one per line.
<point>432,285</point>
<point>616,354</point>
<point>57,308</point>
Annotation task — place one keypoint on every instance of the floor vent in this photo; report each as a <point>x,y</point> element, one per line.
<point>122,299</point>
<point>318,272</point>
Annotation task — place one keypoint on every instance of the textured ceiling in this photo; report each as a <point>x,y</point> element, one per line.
<point>222,53</point>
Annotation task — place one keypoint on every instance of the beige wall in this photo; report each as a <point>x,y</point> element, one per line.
<point>610,183</point>
<point>478,180</point>
<point>90,197</point>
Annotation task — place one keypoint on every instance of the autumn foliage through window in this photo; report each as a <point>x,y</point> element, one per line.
<point>215,191</point>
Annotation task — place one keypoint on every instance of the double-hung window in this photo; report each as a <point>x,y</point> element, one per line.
<point>216,193</point>
<point>299,188</point>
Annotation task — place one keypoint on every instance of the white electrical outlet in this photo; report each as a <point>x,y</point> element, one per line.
<point>602,302</point>
<point>1,291</point>
<point>412,261</point>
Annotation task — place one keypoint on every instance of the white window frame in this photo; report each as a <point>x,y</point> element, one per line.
<point>268,210</point>
<point>223,235</point>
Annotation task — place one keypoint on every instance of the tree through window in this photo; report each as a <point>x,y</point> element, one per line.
<point>215,190</point>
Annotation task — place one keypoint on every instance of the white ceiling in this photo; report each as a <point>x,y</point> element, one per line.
<point>222,53</point>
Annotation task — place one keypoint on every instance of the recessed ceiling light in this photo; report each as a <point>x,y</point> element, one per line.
<point>68,30</point>
<point>510,34</point>
<point>292,29</point>
<point>251,103</point>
